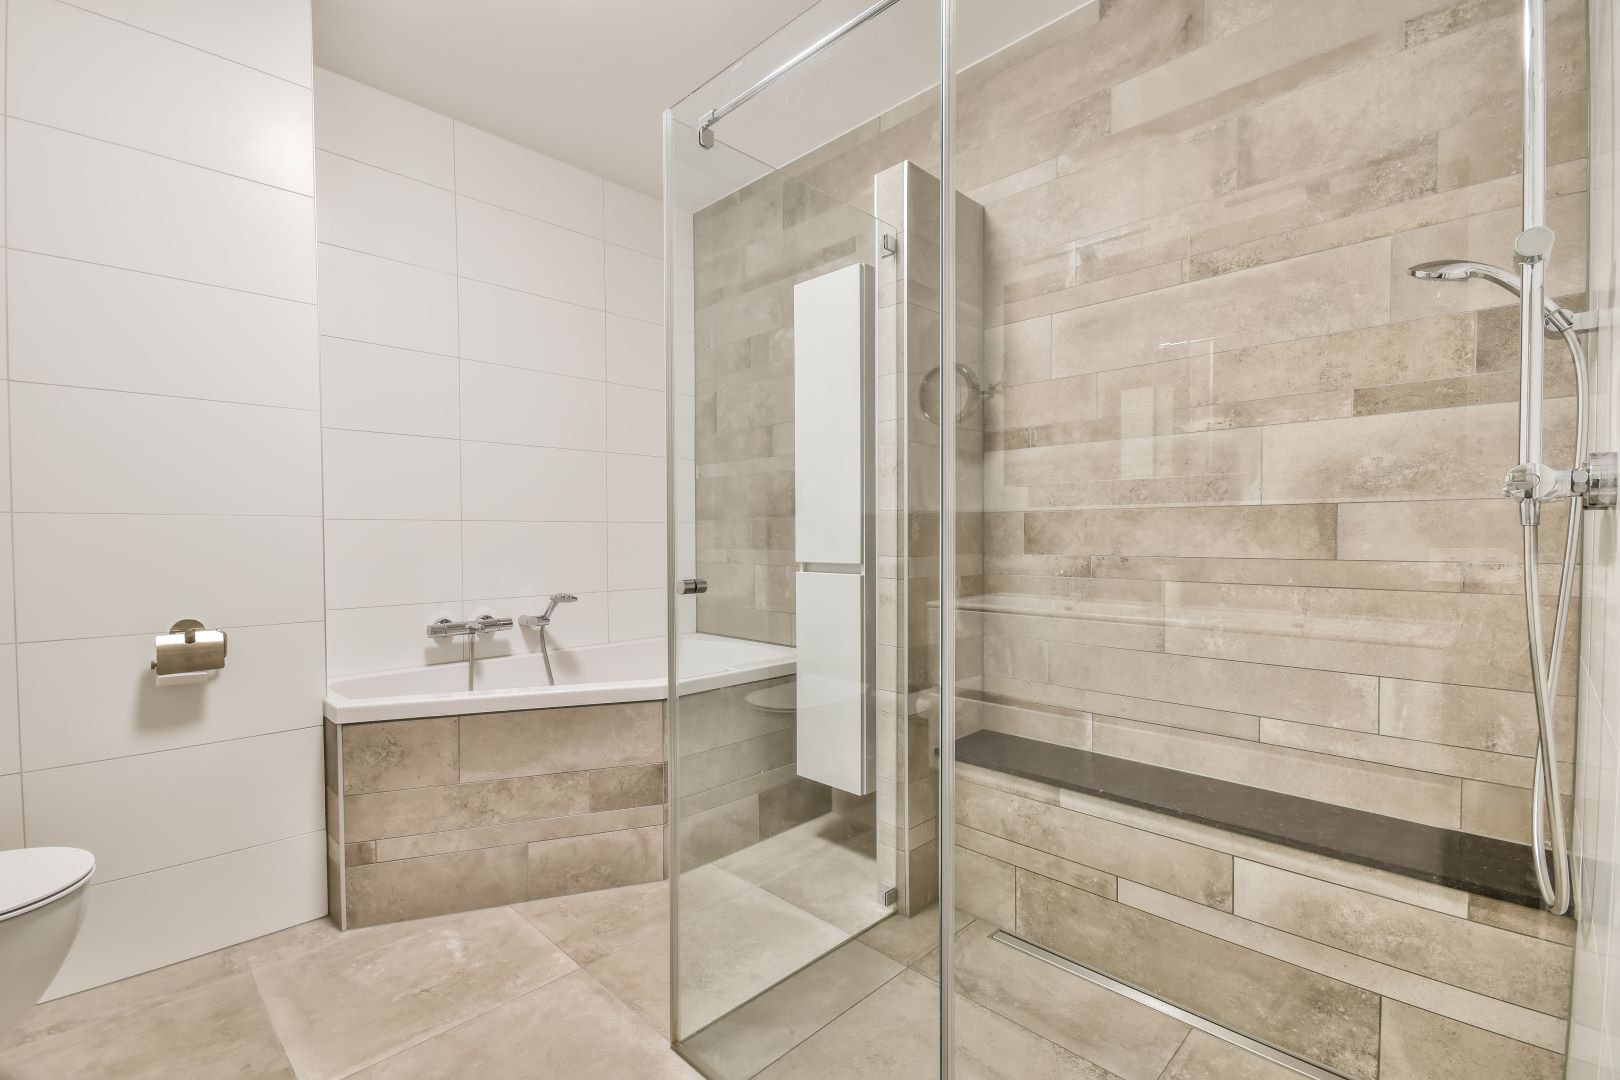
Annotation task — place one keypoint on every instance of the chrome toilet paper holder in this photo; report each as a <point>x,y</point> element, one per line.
<point>188,652</point>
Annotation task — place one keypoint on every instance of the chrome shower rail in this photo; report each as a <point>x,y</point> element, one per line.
<point>705,133</point>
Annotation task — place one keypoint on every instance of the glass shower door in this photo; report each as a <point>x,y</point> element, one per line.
<point>783,350</point>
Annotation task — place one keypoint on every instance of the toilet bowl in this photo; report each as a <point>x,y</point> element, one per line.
<point>42,898</point>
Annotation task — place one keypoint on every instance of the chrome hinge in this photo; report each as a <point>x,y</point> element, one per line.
<point>691,586</point>
<point>890,244</point>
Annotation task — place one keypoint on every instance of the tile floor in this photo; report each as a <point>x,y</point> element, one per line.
<point>791,971</point>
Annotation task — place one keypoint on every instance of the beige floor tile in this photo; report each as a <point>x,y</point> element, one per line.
<point>1130,1040</point>
<point>1204,1057</point>
<point>570,1028</point>
<point>791,848</point>
<point>366,994</point>
<point>742,946</point>
<point>589,926</point>
<point>743,1042</point>
<point>908,939</point>
<point>839,885</point>
<point>68,1014</point>
<point>639,977</point>
<point>217,1030</point>
<point>894,1034</point>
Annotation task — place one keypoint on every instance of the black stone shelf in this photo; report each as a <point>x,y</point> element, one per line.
<point>1476,864</point>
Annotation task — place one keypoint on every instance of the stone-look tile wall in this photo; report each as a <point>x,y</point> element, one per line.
<point>1376,976</point>
<point>1243,472</point>
<point>452,813</point>
<point>738,778</point>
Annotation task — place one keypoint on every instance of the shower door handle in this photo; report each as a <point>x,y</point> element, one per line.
<point>691,586</point>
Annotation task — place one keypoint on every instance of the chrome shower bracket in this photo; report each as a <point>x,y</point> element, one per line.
<point>1598,480</point>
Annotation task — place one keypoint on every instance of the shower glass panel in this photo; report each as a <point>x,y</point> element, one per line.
<point>785,348</point>
<point>1244,726</point>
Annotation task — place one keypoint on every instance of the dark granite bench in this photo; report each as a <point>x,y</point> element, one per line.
<point>1459,860</point>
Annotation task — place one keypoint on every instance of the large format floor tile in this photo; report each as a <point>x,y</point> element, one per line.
<point>367,994</point>
<point>569,1028</point>
<point>216,1030</point>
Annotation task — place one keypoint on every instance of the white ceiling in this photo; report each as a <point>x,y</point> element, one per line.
<point>585,81</point>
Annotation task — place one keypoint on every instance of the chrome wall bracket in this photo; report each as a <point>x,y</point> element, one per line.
<point>1598,481</point>
<point>890,245</point>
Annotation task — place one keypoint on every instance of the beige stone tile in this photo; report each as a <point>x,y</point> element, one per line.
<point>1522,920</point>
<point>1404,753</point>
<point>1127,1039</point>
<point>1048,401</point>
<point>1234,454</point>
<point>1370,356</point>
<point>1134,38</point>
<point>1480,530</point>
<point>840,885</point>
<point>66,1015</point>
<point>218,1029</point>
<point>906,939</point>
<point>1204,1057</point>
<point>1242,309</point>
<point>1320,573</point>
<point>1390,100</point>
<point>1417,1045</point>
<point>984,887</point>
<point>639,977</point>
<point>1502,812</point>
<point>732,950</point>
<point>575,864</point>
<point>495,802</point>
<point>1379,789</point>
<point>437,885</point>
<point>1242,532</point>
<point>1366,879</point>
<point>895,1033</point>
<point>778,854</point>
<point>572,1027</point>
<point>742,1043</point>
<point>1386,980</point>
<point>1006,852</point>
<point>721,765</point>
<point>589,926</point>
<point>1508,966</point>
<point>1322,697</point>
<point>1503,721</point>
<point>1197,873</point>
<point>517,832</point>
<point>399,754</point>
<point>711,834</point>
<point>499,745</point>
<point>1163,713</point>
<point>1315,1017</point>
<point>1400,456</point>
<point>1471,638</point>
<point>366,994</point>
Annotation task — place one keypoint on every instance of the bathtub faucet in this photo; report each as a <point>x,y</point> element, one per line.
<point>540,622</point>
<point>484,624</point>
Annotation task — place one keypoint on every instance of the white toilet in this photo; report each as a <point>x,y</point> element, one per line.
<point>42,900</point>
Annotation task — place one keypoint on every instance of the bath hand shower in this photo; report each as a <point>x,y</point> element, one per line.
<point>541,622</point>
<point>1588,483</point>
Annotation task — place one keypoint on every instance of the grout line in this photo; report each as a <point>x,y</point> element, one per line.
<point>212,169</point>
<point>173,749</point>
<point>310,86</point>
<point>155,274</point>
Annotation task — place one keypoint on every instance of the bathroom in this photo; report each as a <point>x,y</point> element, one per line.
<point>492,589</point>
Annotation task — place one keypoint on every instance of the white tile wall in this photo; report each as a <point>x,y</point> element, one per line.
<point>163,440</point>
<point>534,461</point>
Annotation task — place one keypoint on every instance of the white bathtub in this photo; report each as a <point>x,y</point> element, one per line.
<point>593,675</point>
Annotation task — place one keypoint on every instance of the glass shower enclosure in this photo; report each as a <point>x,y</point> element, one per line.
<point>1099,416</point>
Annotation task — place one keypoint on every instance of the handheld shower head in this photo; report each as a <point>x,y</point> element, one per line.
<point>1558,319</point>
<point>1463,269</point>
<point>559,598</point>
